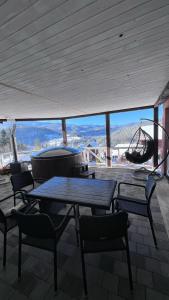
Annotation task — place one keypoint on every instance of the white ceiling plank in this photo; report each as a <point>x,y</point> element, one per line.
<point>52,22</point>
<point>152,35</point>
<point>70,57</point>
<point>96,63</point>
<point>67,34</point>
<point>9,10</point>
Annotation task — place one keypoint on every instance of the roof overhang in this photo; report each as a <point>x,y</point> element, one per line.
<point>72,58</point>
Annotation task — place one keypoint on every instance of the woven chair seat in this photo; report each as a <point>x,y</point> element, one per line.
<point>136,206</point>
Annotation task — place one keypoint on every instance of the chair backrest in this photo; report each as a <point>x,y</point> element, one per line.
<point>37,225</point>
<point>149,188</point>
<point>103,227</point>
<point>21,180</point>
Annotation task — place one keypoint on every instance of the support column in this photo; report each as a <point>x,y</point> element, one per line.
<point>155,157</point>
<point>64,132</point>
<point>165,141</point>
<point>108,140</point>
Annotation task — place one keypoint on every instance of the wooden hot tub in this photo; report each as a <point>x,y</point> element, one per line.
<point>58,161</point>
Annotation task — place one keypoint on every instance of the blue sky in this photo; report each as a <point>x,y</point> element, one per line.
<point>116,118</point>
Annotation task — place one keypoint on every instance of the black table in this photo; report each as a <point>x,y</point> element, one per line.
<point>95,193</point>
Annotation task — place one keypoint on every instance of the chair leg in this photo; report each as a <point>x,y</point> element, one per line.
<point>83,270</point>
<point>76,215</point>
<point>129,263</point>
<point>19,256</point>
<point>14,200</point>
<point>55,267</point>
<point>115,206</point>
<point>4,250</point>
<point>152,228</point>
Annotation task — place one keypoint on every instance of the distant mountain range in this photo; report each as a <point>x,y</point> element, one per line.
<point>42,132</point>
<point>29,134</point>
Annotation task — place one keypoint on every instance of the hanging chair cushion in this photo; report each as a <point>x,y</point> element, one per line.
<point>138,158</point>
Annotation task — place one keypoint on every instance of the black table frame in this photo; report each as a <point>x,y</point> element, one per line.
<point>94,193</point>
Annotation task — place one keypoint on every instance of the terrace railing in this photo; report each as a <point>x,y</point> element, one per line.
<point>6,158</point>
<point>95,155</point>
<point>92,155</point>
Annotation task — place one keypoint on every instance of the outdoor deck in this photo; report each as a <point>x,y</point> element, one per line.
<point>107,274</point>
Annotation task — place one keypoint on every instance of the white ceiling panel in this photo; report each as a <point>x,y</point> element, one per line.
<point>72,57</point>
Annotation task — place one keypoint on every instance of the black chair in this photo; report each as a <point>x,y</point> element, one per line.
<point>138,206</point>
<point>22,183</point>
<point>41,232</point>
<point>104,233</point>
<point>8,221</point>
<point>50,207</point>
<point>98,211</point>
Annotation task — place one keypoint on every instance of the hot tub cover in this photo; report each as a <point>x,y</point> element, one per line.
<point>56,152</point>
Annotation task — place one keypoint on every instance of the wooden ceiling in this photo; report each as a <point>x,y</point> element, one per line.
<point>62,58</point>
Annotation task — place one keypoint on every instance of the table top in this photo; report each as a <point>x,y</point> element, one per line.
<point>86,192</point>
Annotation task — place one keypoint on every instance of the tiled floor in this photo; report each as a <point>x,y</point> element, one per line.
<point>107,274</point>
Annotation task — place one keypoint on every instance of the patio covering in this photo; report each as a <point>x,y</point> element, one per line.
<point>66,58</point>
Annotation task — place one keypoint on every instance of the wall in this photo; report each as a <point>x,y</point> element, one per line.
<point>165,122</point>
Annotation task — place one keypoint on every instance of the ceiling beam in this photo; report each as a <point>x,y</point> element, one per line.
<point>164,96</point>
<point>87,115</point>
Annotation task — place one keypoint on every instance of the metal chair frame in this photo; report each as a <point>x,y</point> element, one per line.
<point>5,220</point>
<point>19,181</point>
<point>149,189</point>
<point>103,229</point>
<point>40,227</point>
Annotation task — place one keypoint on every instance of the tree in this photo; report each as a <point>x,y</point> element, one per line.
<point>4,139</point>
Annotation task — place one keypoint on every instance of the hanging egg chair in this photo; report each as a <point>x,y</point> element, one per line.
<point>143,149</point>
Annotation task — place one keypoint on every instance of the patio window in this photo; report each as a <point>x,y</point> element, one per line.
<point>88,134</point>
<point>123,126</point>
<point>33,136</point>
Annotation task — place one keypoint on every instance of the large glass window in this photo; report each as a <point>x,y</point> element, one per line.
<point>5,145</point>
<point>160,133</point>
<point>123,127</point>
<point>33,136</point>
<point>88,134</point>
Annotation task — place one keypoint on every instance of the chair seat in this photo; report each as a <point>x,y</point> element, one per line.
<point>10,215</point>
<point>46,244</point>
<point>86,174</point>
<point>23,207</point>
<point>104,245</point>
<point>19,200</point>
<point>10,223</point>
<point>98,211</point>
<point>135,206</point>
<point>20,206</point>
